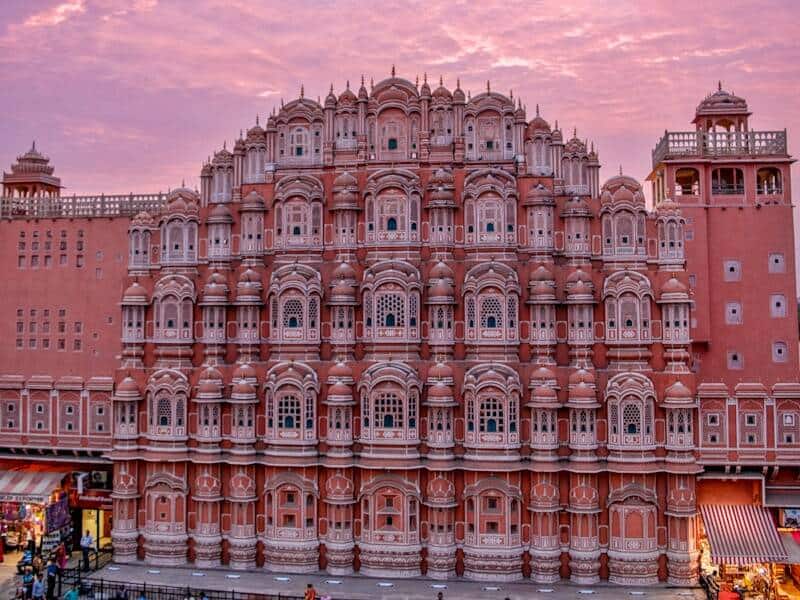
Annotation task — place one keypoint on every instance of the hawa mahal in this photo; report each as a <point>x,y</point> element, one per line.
<point>408,331</point>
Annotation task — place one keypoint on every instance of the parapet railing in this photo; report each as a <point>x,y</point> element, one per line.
<point>60,207</point>
<point>680,144</point>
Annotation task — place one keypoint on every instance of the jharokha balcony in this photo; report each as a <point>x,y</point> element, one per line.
<point>683,144</point>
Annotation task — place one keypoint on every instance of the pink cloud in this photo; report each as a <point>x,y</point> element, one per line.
<point>134,95</point>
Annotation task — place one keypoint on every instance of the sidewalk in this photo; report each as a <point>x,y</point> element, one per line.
<point>259,581</point>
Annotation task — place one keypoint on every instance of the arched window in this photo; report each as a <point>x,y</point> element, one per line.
<point>391,224</point>
<point>768,181</point>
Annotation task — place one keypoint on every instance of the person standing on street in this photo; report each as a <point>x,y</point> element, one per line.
<point>38,588</point>
<point>87,542</point>
<point>311,593</point>
<point>52,573</point>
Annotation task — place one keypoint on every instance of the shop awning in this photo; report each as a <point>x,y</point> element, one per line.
<point>790,542</point>
<point>742,534</point>
<point>29,485</point>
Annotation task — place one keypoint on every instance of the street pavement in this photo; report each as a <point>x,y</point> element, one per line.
<point>363,588</point>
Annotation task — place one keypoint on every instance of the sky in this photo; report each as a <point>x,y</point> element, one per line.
<point>132,95</point>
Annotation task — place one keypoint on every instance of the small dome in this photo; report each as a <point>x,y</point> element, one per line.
<point>541,273</point>
<point>347,96</point>
<point>216,278</point>
<point>344,271</point>
<point>581,391</point>
<point>544,393</point>
<point>244,371</point>
<point>458,94</point>
<point>440,391</point>
<point>621,188</point>
<point>443,93</point>
<point>440,371</point>
<point>142,219</point>
<point>537,125</point>
<point>340,389</point>
<point>253,201</point>
<point>242,389</point>
<point>678,391</point>
<point>578,275</point>
<point>135,292</point>
<point>539,194</point>
<point>330,99</point>
<point>211,374</point>
<point>441,271</point>
<point>722,102</point>
<point>343,289</point>
<point>581,376</point>
<point>425,90</point>
<point>220,214</point>
<point>128,386</point>
<point>673,286</point>
<point>340,370</point>
<point>543,374</point>
<point>441,288</point>
<point>345,179</point>
<point>249,276</point>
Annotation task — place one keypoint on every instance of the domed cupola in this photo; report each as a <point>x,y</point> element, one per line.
<point>136,294</point>
<point>622,189</point>
<point>249,287</point>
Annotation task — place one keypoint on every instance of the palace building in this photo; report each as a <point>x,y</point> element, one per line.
<point>408,331</point>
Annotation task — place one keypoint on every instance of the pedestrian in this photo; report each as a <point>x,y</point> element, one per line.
<point>203,596</point>
<point>311,593</point>
<point>72,594</point>
<point>61,558</point>
<point>36,563</point>
<point>440,596</point>
<point>38,588</point>
<point>142,596</point>
<point>52,574</point>
<point>31,542</point>
<point>87,542</point>
<point>27,582</point>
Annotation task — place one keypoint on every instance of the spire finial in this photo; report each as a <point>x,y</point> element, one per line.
<point>574,132</point>
<point>719,85</point>
<point>416,81</point>
<point>256,119</point>
<point>183,183</point>
<point>537,109</point>
<point>511,95</point>
<point>224,144</point>
<point>488,87</point>
<point>348,84</point>
<point>240,134</point>
<point>393,70</point>
<point>362,79</point>
<point>302,91</point>
<point>33,146</point>
<point>620,169</point>
<point>556,123</point>
<point>331,88</point>
<point>371,83</point>
<point>441,81</point>
<point>425,77</point>
<point>458,83</point>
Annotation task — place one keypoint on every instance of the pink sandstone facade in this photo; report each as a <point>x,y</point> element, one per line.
<point>409,332</point>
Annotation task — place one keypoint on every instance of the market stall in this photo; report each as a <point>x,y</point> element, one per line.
<point>35,510</point>
<point>742,549</point>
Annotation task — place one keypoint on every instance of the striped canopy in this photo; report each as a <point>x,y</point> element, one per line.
<point>742,534</point>
<point>28,485</point>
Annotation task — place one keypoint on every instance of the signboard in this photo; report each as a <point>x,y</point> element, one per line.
<point>790,517</point>
<point>57,514</point>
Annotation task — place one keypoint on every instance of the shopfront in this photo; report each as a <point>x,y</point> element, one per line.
<point>94,508</point>
<point>35,509</point>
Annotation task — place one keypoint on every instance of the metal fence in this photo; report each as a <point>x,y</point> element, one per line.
<point>101,589</point>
